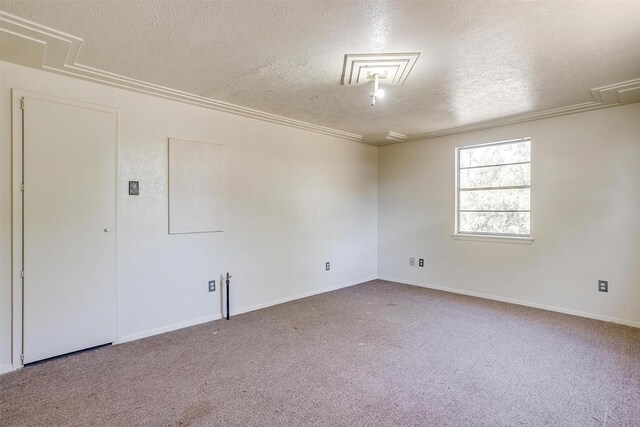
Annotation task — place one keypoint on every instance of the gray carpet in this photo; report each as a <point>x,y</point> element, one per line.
<point>375,354</point>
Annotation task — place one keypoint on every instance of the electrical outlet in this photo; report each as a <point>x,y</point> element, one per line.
<point>327,266</point>
<point>603,286</point>
<point>412,262</point>
<point>421,262</point>
<point>212,285</point>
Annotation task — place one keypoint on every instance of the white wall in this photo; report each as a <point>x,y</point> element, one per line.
<point>295,200</point>
<point>585,217</point>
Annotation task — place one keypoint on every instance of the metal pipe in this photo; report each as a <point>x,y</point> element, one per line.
<point>227,292</point>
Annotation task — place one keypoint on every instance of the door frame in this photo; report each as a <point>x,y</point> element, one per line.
<point>17,203</point>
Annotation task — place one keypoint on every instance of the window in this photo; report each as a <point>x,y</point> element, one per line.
<point>493,189</point>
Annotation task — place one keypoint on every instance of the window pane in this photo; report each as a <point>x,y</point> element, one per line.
<point>495,222</point>
<point>495,154</point>
<point>497,176</point>
<point>495,200</point>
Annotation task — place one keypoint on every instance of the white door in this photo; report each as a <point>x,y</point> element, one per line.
<point>69,237</point>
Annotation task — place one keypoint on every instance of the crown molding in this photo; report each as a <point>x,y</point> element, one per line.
<point>622,93</point>
<point>61,52</point>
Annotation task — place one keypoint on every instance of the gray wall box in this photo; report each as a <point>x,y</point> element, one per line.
<point>134,188</point>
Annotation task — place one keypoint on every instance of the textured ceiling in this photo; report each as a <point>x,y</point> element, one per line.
<point>480,60</point>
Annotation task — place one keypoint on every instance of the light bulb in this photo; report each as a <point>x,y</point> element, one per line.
<point>379,93</point>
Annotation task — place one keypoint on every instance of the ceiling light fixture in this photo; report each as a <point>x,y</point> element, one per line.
<point>377,92</point>
<point>393,68</point>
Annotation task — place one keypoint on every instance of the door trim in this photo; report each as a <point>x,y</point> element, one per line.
<point>17,247</point>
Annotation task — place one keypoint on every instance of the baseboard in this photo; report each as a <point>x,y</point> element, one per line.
<point>186,324</point>
<point>8,367</point>
<point>298,296</point>
<point>516,301</point>
<point>168,328</point>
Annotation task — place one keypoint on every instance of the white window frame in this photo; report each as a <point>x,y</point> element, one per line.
<point>493,237</point>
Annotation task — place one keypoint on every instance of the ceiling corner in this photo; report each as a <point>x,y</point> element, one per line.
<point>384,138</point>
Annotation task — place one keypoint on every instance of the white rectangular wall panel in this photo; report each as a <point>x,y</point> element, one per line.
<point>196,187</point>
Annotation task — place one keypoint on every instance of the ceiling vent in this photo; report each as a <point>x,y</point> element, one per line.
<point>392,68</point>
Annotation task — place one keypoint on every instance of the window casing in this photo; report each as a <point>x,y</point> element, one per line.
<point>493,189</point>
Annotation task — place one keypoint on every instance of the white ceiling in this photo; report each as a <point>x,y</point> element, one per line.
<point>480,60</point>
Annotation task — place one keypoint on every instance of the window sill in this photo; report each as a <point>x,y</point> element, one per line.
<point>494,239</point>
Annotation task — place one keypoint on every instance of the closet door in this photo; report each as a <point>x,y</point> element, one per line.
<point>68,218</point>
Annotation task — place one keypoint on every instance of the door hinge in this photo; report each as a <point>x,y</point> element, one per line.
<point>22,358</point>
<point>22,103</point>
<point>22,274</point>
<point>21,187</point>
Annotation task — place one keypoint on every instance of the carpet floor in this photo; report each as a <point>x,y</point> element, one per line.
<point>374,354</point>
